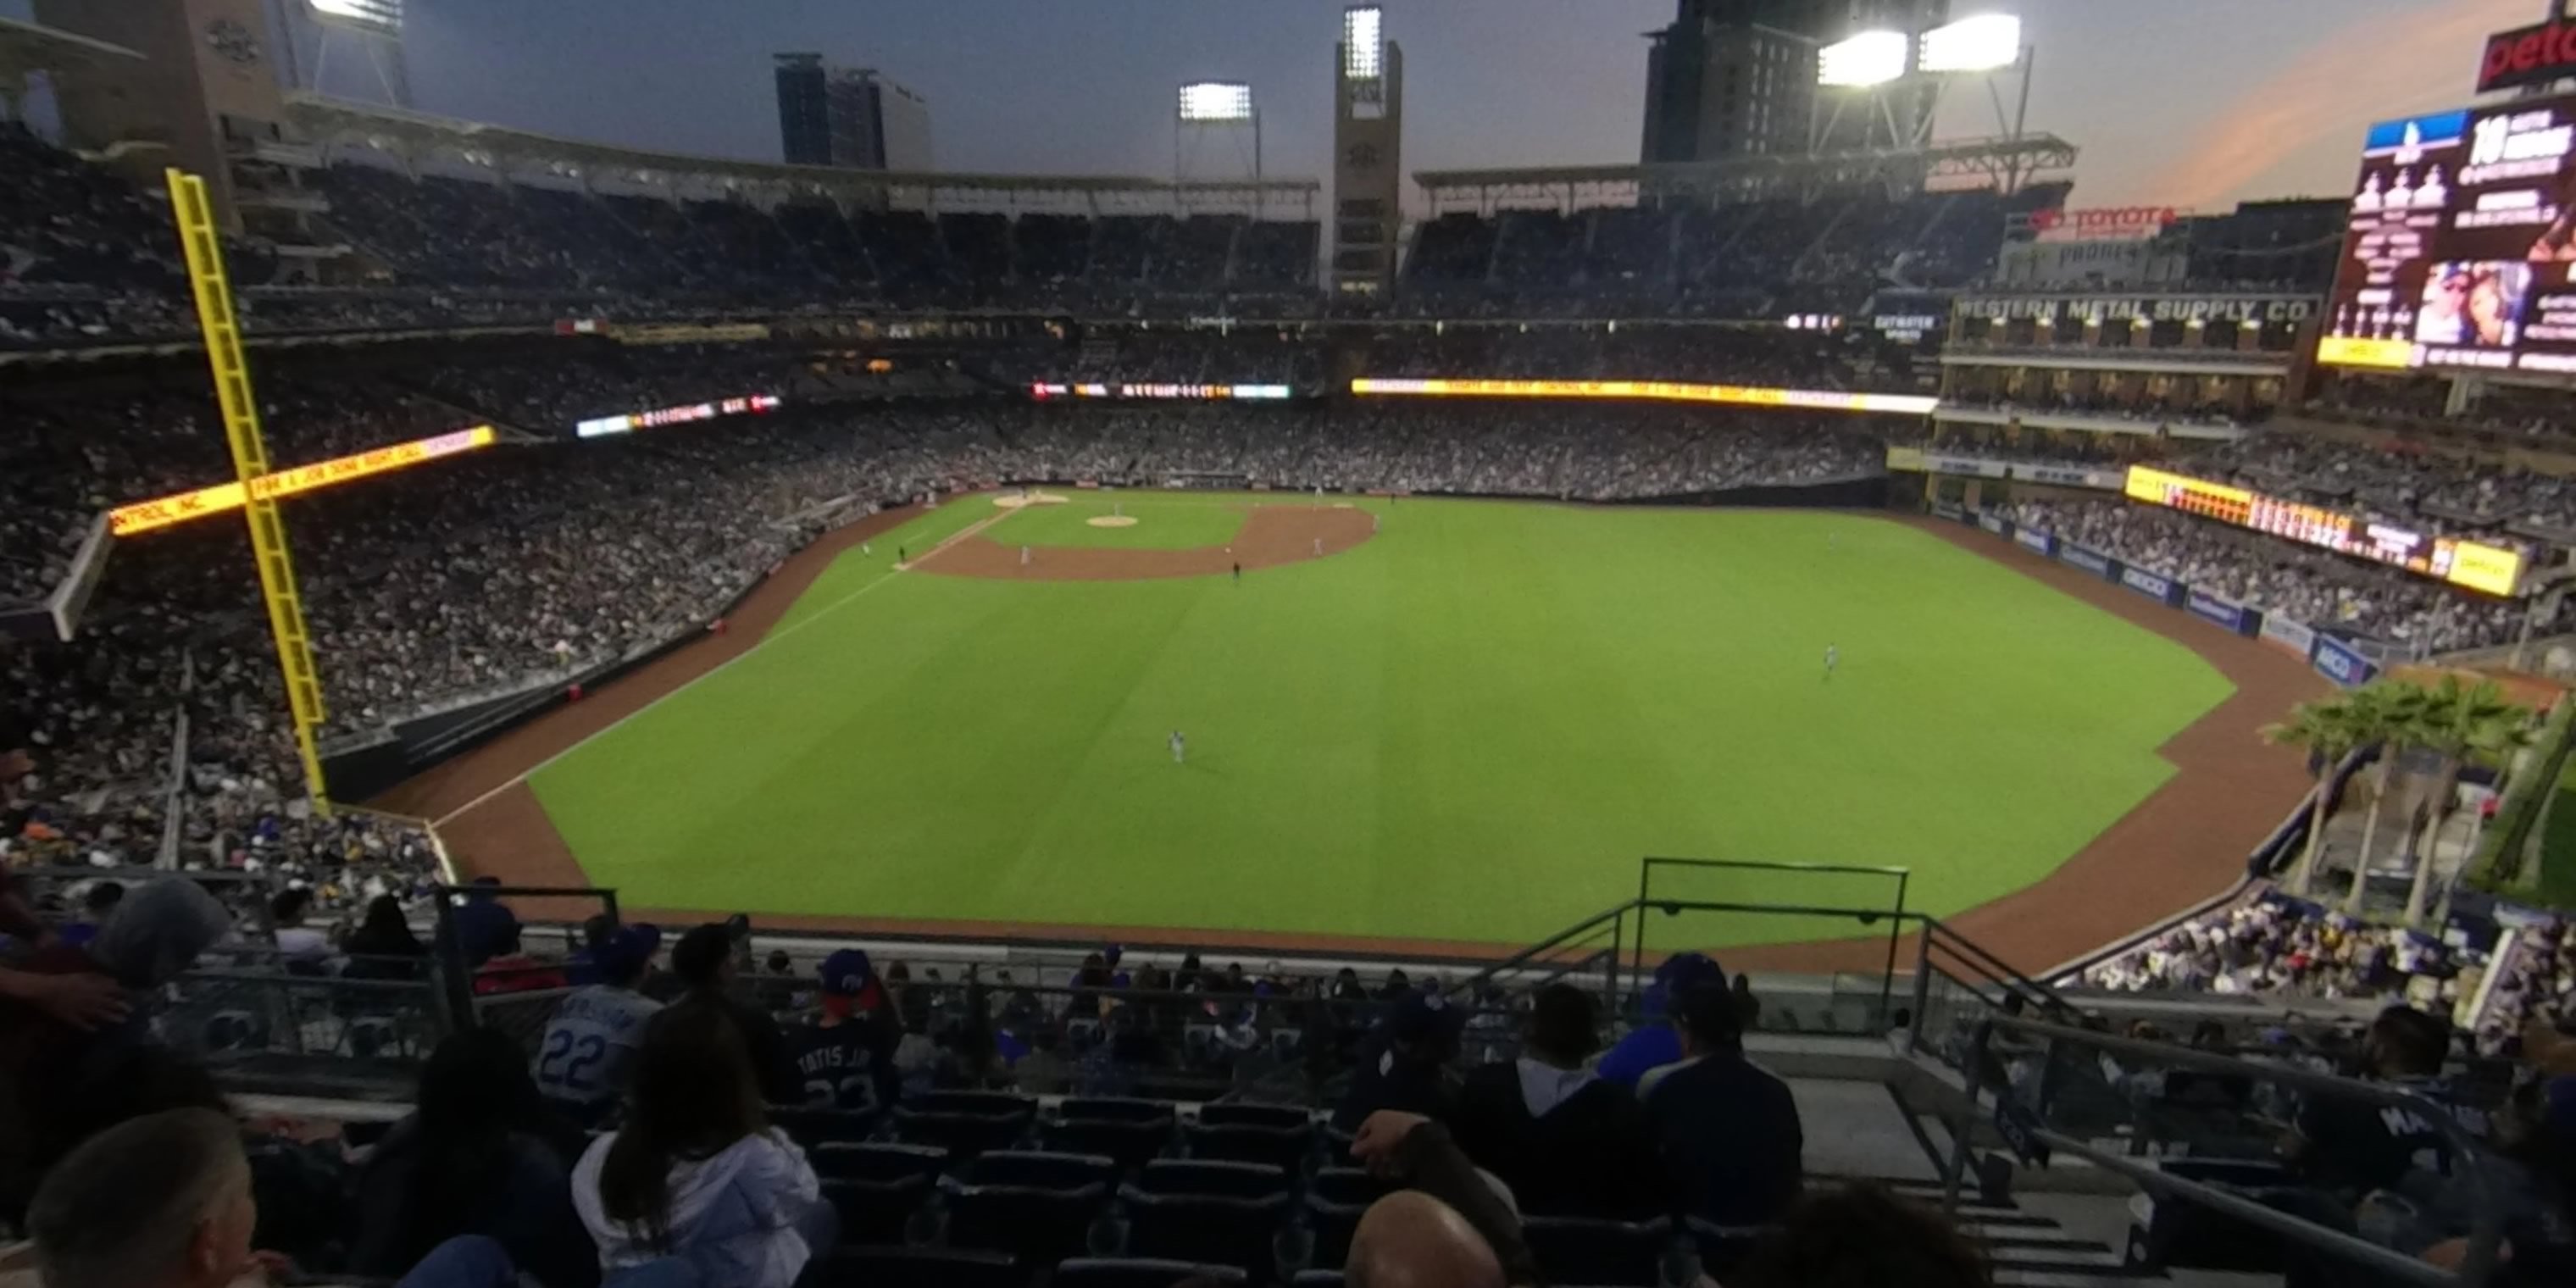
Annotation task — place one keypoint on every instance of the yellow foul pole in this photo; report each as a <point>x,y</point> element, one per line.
<point>204,249</point>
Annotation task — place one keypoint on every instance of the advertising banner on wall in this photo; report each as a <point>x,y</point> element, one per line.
<point>2036,540</point>
<point>2341,663</point>
<point>2211,608</point>
<point>2090,561</point>
<point>2288,635</point>
<point>2160,589</point>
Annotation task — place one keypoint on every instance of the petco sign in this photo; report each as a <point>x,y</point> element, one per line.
<point>2527,56</point>
<point>2114,223</point>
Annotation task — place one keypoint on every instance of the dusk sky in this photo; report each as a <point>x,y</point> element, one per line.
<point>2192,103</point>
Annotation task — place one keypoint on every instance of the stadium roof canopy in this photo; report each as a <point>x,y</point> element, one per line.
<point>419,135</point>
<point>26,47</point>
<point>2007,163</point>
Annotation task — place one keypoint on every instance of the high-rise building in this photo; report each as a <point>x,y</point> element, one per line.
<point>804,109</point>
<point>1738,77</point>
<point>1368,154</point>
<point>851,117</point>
<point>890,125</point>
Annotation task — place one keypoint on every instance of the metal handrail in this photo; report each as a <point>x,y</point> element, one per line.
<point>2486,1231</point>
<point>1994,965</point>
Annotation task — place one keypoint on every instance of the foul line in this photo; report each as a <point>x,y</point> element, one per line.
<point>765,641</point>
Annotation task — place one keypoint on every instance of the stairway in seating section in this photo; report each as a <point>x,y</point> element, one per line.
<point>2027,1250</point>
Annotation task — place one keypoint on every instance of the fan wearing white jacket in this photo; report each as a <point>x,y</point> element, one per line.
<point>696,1174</point>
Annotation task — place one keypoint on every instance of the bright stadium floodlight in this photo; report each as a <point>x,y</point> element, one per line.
<point>1216,103</point>
<point>381,16</point>
<point>1363,42</point>
<point>1979,44</point>
<point>1870,58</point>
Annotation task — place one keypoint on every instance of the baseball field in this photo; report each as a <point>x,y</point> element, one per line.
<point>1403,720</point>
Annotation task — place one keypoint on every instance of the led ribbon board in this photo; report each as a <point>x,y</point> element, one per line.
<point>180,507</point>
<point>1653,391</point>
<point>2472,564</point>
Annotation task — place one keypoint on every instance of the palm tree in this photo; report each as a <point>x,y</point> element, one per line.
<point>2330,730</point>
<point>2383,712</point>
<point>2463,724</point>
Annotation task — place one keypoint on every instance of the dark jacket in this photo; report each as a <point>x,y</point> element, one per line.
<point>1565,1149</point>
<point>521,1197</point>
<point>771,1062</point>
<point>1730,1137</point>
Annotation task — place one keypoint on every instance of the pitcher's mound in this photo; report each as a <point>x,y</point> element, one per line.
<point>1013,500</point>
<point>1111,521</point>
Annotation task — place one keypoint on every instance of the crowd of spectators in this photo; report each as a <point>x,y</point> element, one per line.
<point>85,256</point>
<point>2146,409</point>
<point>2274,945</point>
<point>2401,483</point>
<point>2327,591</point>
<point>683,1112</point>
<point>1760,259</point>
<point>1704,353</point>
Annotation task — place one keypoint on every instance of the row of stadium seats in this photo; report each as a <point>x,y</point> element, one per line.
<point>1758,259</point>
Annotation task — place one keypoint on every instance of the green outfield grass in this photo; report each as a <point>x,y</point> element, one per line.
<point>1470,727</point>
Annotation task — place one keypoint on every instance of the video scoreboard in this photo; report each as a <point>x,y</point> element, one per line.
<point>2459,242</point>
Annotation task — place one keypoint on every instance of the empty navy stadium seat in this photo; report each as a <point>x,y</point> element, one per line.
<point>965,1123</point>
<point>1581,1250</point>
<point>1130,1131</point>
<point>1245,1113</point>
<point>878,1189</point>
<point>971,1102</point>
<point>812,1127</point>
<point>879,1161</point>
<point>1223,1213</point>
<point>876,1267</point>
<point>1036,1206</point>
<point>1140,1272</point>
<point>1117,1108</point>
<point>1284,1147</point>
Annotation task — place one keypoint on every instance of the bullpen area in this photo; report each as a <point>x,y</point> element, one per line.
<point>1406,725</point>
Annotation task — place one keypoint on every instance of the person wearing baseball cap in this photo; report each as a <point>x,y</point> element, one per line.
<point>845,1057</point>
<point>1404,1064</point>
<point>590,1042</point>
<point>1650,1046</point>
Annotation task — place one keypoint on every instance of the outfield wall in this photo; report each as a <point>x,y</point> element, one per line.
<point>2334,658</point>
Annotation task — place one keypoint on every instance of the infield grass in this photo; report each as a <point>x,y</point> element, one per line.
<point>1470,727</point>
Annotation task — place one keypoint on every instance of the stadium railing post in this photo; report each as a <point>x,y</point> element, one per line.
<point>1922,1001</point>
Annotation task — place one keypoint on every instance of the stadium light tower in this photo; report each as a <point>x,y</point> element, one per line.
<point>1871,70</point>
<point>1368,146</point>
<point>374,27</point>
<point>1217,105</point>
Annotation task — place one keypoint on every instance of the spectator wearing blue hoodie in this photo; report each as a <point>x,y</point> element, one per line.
<point>1659,1043</point>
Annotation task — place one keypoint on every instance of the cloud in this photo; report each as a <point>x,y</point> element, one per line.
<point>2354,74</point>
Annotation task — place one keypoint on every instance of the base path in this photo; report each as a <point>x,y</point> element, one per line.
<point>1272,535</point>
<point>2183,844</point>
